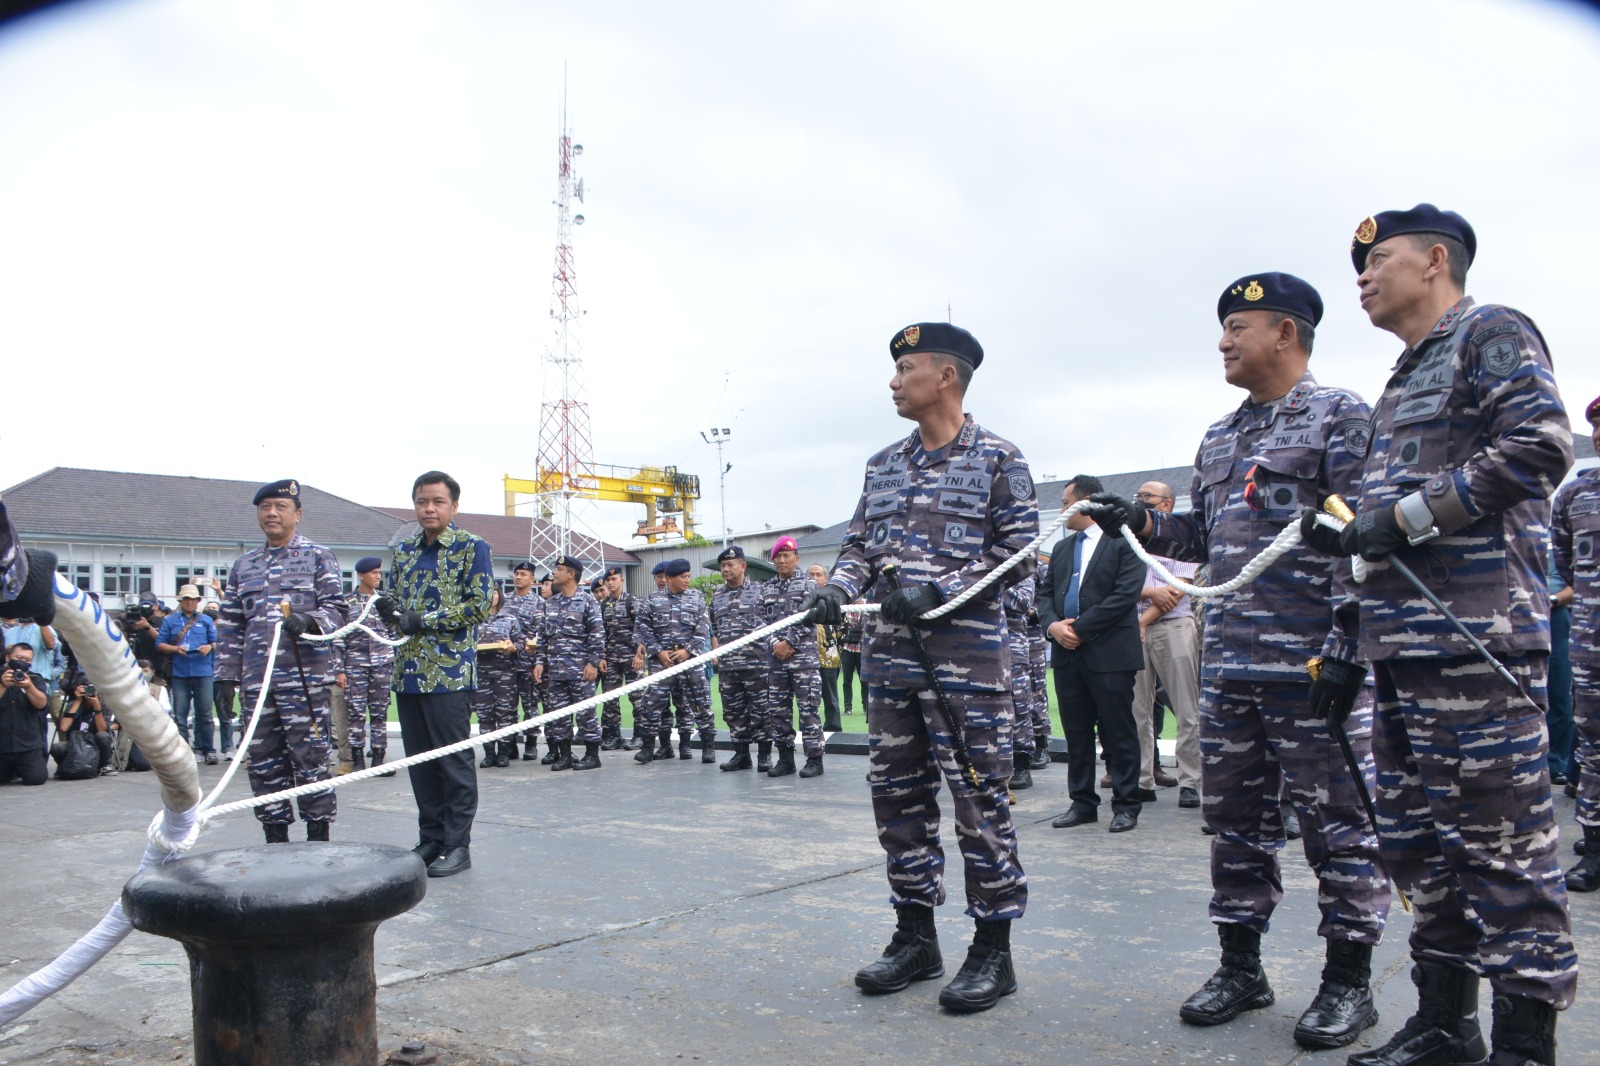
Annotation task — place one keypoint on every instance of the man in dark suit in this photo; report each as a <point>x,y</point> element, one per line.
<point>1088,603</point>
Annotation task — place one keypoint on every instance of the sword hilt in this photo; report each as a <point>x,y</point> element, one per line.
<point>1336,506</point>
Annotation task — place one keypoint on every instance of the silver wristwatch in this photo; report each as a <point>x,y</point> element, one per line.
<point>1416,518</point>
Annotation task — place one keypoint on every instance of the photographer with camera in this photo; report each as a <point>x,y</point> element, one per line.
<point>190,637</point>
<point>85,734</point>
<point>22,718</point>
<point>140,624</point>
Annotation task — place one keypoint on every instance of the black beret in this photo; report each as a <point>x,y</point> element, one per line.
<point>571,563</point>
<point>939,337</point>
<point>1271,292</point>
<point>529,567</point>
<point>368,563</point>
<point>287,489</point>
<point>733,552</point>
<point>674,567</point>
<point>1424,218</point>
<point>659,568</point>
<point>612,571</point>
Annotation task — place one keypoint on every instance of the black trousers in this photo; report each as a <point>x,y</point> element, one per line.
<point>830,699</point>
<point>28,767</point>
<point>446,789</point>
<point>1088,699</point>
<point>850,668</point>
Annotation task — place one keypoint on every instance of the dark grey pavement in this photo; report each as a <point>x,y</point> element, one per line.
<point>677,913</point>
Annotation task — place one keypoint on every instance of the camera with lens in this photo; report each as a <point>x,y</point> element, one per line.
<point>89,692</point>
<point>18,670</point>
<point>133,614</point>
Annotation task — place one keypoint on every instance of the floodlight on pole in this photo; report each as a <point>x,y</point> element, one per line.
<point>719,437</point>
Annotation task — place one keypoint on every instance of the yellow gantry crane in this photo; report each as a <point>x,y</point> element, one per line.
<point>661,490</point>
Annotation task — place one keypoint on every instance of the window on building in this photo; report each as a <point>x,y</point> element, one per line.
<point>116,580</point>
<point>349,579</point>
<point>187,575</point>
<point>80,574</point>
<point>219,578</point>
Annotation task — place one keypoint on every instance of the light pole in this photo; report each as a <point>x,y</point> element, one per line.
<point>719,437</point>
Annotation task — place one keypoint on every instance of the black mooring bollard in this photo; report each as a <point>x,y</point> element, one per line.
<point>280,946</point>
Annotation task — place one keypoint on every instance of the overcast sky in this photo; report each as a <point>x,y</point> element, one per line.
<point>312,239</point>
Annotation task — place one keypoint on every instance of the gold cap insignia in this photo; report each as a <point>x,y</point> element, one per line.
<point>1367,232</point>
<point>294,488</point>
<point>1237,289</point>
<point>1254,291</point>
<point>913,334</point>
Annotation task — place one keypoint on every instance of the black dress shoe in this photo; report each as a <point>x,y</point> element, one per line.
<point>1123,821</point>
<point>428,850</point>
<point>1188,797</point>
<point>1075,816</point>
<point>450,862</point>
<point>1147,795</point>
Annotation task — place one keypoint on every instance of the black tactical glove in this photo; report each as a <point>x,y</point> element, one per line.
<point>37,597</point>
<point>297,625</point>
<point>1373,535</point>
<point>388,610</point>
<point>410,623</point>
<point>1335,686</point>
<point>904,606</point>
<point>1318,536</point>
<point>1115,512</point>
<point>823,606</point>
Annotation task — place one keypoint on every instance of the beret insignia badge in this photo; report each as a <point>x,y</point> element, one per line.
<point>913,334</point>
<point>294,488</point>
<point>1254,291</point>
<point>1367,232</point>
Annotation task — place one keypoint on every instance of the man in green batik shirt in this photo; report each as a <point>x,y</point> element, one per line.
<point>435,595</point>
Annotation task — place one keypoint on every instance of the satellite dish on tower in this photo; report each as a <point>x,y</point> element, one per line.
<point>577,220</point>
<point>579,190</point>
<point>577,149</point>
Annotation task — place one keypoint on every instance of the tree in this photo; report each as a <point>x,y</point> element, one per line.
<point>708,584</point>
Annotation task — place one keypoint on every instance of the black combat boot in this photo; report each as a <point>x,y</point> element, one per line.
<point>563,755</point>
<point>611,742</point>
<point>1041,758</point>
<point>1343,1005</point>
<point>912,954</point>
<point>488,757</point>
<point>708,747</point>
<point>591,758</point>
<point>986,975</point>
<point>684,751</point>
<point>277,832</point>
<point>357,762</point>
<point>1445,1027</point>
<point>1524,1032</point>
<point>1239,983</point>
<point>317,831</point>
<point>530,747</point>
<point>785,764</point>
<point>664,745</point>
<point>645,754</point>
<point>510,748</point>
<point>1021,776</point>
<point>763,756</point>
<point>813,766</point>
<point>553,753</point>
<point>504,753</point>
<point>1585,877</point>
<point>740,760</point>
<point>378,755</point>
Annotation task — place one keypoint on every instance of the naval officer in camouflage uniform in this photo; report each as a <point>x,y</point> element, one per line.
<point>1469,441</point>
<point>527,604</point>
<point>673,627</point>
<point>945,506</point>
<point>1039,670</point>
<point>293,739</point>
<point>623,663</point>
<point>1291,444</point>
<point>1018,602</point>
<point>1575,539</point>
<point>495,701</point>
<point>794,674</point>
<point>737,608</point>
<point>572,645</point>
<point>363,668</point>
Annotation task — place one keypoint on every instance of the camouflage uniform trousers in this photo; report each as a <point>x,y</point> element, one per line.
<point>689,691</point>
<point>292,746</point>
<point>531,696</point>
<point>559,694</point>
<point>614,678</point>
<point>1022,697</point>
<point>366,698</point>
<point>1467,822</point>
<point>495,700</point>
<point>1039,670</point>
<point>908,751</point>
<point>1254,735</point>
<point>1586,721</point>
<point>787,684</point>
<point>744,702</point>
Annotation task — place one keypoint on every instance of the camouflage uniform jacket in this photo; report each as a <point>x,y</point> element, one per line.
<point>529,609</point>
<point>735,612</point>
<point>357,648</point>
<point>572,636</point>
<point>307,575</point>
<point>669,620</point>
<point>619,615</point>
<point>780,597</point>
<point>1471,417</point>
<point>1575,539</point>
<point>449,582</point>
<point>1255,471</point>
<point>946,517</point>
<point>503,625</point>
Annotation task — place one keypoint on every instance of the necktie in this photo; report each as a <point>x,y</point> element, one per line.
<point>1069,608</point>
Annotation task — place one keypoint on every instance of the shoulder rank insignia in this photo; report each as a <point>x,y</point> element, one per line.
<point>1254,291</point>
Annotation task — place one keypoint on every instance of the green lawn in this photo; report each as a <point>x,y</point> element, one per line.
<point>853,723</point>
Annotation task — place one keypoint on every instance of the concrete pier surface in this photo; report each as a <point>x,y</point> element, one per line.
<point>676,913</point>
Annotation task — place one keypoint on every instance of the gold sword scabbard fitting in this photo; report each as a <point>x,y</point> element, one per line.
<point>1336,506</point>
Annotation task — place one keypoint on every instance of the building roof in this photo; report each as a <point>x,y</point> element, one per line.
<point>67,503</point>
<point>508,535</point>
<point>826,537</point>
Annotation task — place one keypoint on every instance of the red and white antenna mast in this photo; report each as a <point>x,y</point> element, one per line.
<point>566,445</point>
